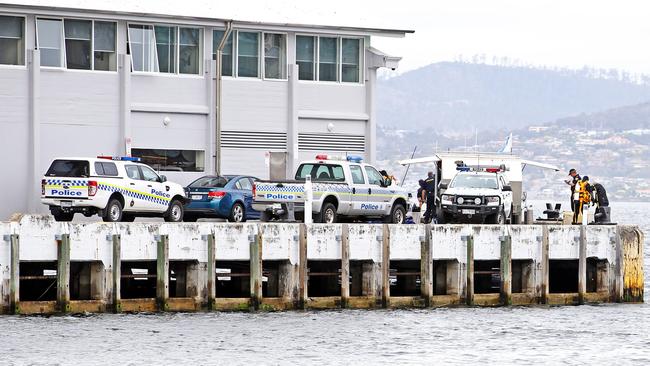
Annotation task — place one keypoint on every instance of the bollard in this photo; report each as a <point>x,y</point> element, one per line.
<point>544,265</point>
<point>14,276</point>
<point>469,288</point>
<point>506,270</point>
<point>309,197</point>
<point>582,265</point>
<point>385,266</point>
<point>116,239</point>
<point>426,267</point>
<point>302,269</point>
<point>211,269</point>
<point>63,273</point>
<point>345,265</point>
<point>162,272</point>
<point>255,258</point>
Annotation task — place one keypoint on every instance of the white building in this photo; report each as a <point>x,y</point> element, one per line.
<point>82,82</point>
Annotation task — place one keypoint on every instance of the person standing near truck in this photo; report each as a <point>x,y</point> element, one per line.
<point>430,188</point>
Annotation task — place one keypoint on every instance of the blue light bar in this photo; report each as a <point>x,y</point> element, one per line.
<point>129,158</point>
<point>461,168</point>
<point>354,158</point>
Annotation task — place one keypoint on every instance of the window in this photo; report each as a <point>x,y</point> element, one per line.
<point>172,160</point>
<point>321,172</point>
<point>373,176</point>
<point>328,59</point>
<point>275,59</point>
<point>210,182</point>
<point>226,54</point>
<point>475,181</point>
<point>142,48</point>
<point>149,175</point>
<point>104,46</point>
<point>305,57</point>
<point>78,39</point>
<point>12,40</point>
<point>133,172</point>
<point>244,184</point>
<point>189,51</point>
<point>68,168</point>
<point>350,57</point>
<point>248,54</point>
<point>50,41</point>
<point>108,169</point>
<point>166,48</point>
<point>357,175</point>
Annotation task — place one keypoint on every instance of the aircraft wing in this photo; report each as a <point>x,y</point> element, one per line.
<point>426,159</point>
<point>539,165</point>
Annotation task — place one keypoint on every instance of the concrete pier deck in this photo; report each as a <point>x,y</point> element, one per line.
<point>54,267</point>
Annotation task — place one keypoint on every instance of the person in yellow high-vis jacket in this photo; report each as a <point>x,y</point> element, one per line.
<point>583,197</point>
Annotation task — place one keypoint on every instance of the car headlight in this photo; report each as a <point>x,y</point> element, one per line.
<point>493,200</point>
<point>460,200</point>
<point>477,201</point>
<point>447,199</point>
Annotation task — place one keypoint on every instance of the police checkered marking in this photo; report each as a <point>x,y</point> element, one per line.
<point>134,194</point>
<point>275,188</point>
<point>72,183</point>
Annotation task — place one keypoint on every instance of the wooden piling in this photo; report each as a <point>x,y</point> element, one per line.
<point>385,266</point>
<point>211,269</point>
<point>544,287</point>
<point>14,275</point>
<point>426,267</point>
<point>302,267</point>
<point>582,265</point>
<point>162,273</point>
<point>469,288</point>
<point>345,265</point>
<point>256,270</point>
<point>618,275</point>
<point>506,270</point>
<point>116,239</point>
<point>63,273</point>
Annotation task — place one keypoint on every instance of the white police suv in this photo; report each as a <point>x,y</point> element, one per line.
<point>115,188</point>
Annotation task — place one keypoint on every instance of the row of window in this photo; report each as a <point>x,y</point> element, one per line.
<point>91,45</point>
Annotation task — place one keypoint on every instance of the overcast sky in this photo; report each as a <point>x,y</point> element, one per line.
<point>572,33</point>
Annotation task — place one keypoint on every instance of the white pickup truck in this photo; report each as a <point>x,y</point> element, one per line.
<point>342,187</point>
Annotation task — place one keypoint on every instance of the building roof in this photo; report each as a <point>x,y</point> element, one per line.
<point>285,13</point>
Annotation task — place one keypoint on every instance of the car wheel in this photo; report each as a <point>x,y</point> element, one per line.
<point>327,214</point>
<point>113,211</point>
<point>174,212</point>
<point>397,215</point>
<point>63,216</point>
<point>237,213</point>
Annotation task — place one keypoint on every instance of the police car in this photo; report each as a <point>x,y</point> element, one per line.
<point>115,188</point>
<point>343,188</point>
<point>477,195</point>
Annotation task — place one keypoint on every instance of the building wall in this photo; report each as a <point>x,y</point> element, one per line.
<point>90,113</point>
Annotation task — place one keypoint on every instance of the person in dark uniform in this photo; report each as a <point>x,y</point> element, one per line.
<point>430,187</point>
<point>422,193</point>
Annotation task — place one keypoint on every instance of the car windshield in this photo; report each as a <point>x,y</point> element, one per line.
<point>210,182</point>
<point>475,181</point>
<point>68,168</point>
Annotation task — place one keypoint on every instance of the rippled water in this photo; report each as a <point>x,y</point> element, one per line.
<point>598,334</point>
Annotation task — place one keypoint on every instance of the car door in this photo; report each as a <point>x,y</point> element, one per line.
<point>507,197</point>
<point>135,186</point>
<point>156,197</point>
<point>359,195</point>
<point>245,190</point>
<point>377,198</point>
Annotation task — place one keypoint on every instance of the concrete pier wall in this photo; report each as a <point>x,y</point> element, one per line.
<point>48,266</point>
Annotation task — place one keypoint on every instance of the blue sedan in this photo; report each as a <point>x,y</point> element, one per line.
<point>226,197</point>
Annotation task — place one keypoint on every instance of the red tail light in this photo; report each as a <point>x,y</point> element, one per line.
<point>254,189</point>
<point>216,194</point>
<point>92,187</point>
<point>43,187</point>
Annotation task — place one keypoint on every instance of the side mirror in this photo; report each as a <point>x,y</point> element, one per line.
<point>443,186</point>
<point>163,179</point>
<point>507,188</point>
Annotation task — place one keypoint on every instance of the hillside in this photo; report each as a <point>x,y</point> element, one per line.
<point>449,95</point>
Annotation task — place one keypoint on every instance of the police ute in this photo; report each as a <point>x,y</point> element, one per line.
<point>115,188</point>
<point>479,195</point>
<point>343,188</point>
